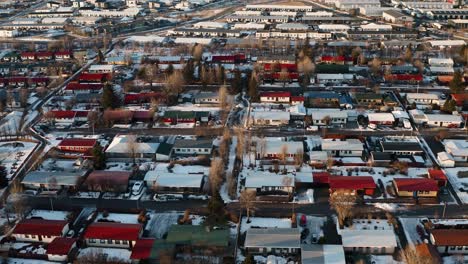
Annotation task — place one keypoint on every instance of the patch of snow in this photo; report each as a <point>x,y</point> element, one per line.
<point>260,222</point>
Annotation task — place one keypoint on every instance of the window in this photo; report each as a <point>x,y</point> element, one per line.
<point>103,241</point>
<point>109,241</point>
<point>117,242</point>
<point>460,248</point>
<point>452,248</point>
<point>125,242</point>
<point>26,236</point>
<point>92,241</point>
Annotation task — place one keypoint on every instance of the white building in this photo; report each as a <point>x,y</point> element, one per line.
<point>447,43</point>
<point>336,116</point>
<point>129,12</point>
<point>101,68</point>
<point>210,24</point>
<point>354,4</point>
<point>269,118</point>
<point>8,33</point>
<point>441,120</point>
<point>376,27</point>
<point>369,241</point>
<point>334,27</point>
<point>264,182</point>
<point>347,148</point>
<point>334,77</point>
<point>422,98</point>
<point>427,4</point>
<point>450,241</point>
<point>280,7</point>
<point>373,11</point>
<point>251,26</point>
<point>457,148</point>
<point>319,14</point>
<point>396,17</point>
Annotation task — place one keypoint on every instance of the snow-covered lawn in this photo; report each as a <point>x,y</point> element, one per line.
<point>409,227</point>
<point>28,261</point>
<point>13,154</point>
<point>305,197</point>
<point>384,259</point>
<point>455,259</point>
<point>460,185</point>
<point>270,259</point>
<point>390,207</point>
<point>119,218</point>
<point>314,224</point>
<point>87,195</point>
<point>264,222</point>
<point>159,223</point>
<point>372,224</point>
<point>123,255</point>
<point>48,215</point>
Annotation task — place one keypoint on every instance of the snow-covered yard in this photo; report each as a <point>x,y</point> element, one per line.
<point>460,185</point>
<point>384,259</point>
<point>259,222</point>
<point>122,255</point>
<point>48,215</point>
<point>116,217</point>
<point>13,154</point>
<point>159,223</point>
<point>410,228</point>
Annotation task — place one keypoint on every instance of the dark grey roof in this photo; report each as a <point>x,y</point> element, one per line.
<point>273,238</point>
<point>381,156</point>
<point>193,143</point>
<point>401,146</point>
<point>164,148</point>
<point>394,13</point>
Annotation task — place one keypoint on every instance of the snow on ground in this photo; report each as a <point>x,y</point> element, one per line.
<point>28,261</point>
<point>455,259</point>
<point>123,255</point>
<point>264,222</point>
<point>87,195</point>
<point>119,218</point>
<point>409,227</point>
<point>13,154</point>
<point>197,219</point>
<point>305,197</point>
<point>270,259</point>
<point>314,224</point>
<point>388,207</point>
<point>159,223</point>
<point>384,259</point>
<point>460,185</point>
<point>232,157</point>
<point>48,215</point>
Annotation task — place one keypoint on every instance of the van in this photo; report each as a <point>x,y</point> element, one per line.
<point>406,124</point>
<point>137,187</point>
<point>372,126</point>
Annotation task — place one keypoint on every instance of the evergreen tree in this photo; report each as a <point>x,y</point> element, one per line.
<point>109,98</point>
<point>99,157</point>
<point>3,178</point>
<point>457,83</point>
<point>216,213</point>
<point>236,82</point>
<point>253,87</point>
<point>449,106</point>
<point>170,69</point>
<point>100,57</point>
<point>188,72</point>
<point>249,259</point>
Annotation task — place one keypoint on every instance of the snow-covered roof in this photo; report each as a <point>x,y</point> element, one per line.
<point>380,117</point>
<point>101,67</point>
<point>333,27</point>
<point>456,147</point>
<point>292,26</point>
<point>145,39</point>
<point>249,26</point>
<point>270,115</point>
<point>258,179</point>
<point>374,26</point>
<point>439,61</point>
<point>210,24</point>
<point>274,146</point>
<point>443,118</point>
<point>120,145</point>
<point>273,238</point>
<point>348,144</point>
<point>204,41</point>
<point>427,96</point>
<point>335,76</point>
<point>400,114</point>
<point>368,238</point>
<point>441,69</point>
<point>437,43</point>
<point>171,179</point>
<point>319,114</point>
<point>322,254</point>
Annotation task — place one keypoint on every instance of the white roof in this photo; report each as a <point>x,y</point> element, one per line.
<point>373,26</point>
<point>319,14</point>
<point>333,27</point>
<point>438,61</point>
<point>441,69</point>
<point>171,179</point>
<point>447,43</point>
<point>54,20</point>
<point>210,24</point>
<point>443,118</point>
<point>249,26</point>
<point>400,114</point>
<point>422,96</point>
<point>292,26</point>
<point>204,41</point>
<point>144,39</point>
<point>319,114</point>
<point>101,67</point>
<point>258,179</point>
<point>274,146</point>
<point>456,147</point>
<point>119,145</point>
<point>348,144</point>
<point>335,76</point>
<point>318,155</point>
<point>368,238</point>
<point>270,115</point>
<point>444,156</point>
<point>380,117</point>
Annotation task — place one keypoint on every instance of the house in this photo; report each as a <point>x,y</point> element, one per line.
<point>369,241</point>
<point>266,183</point>
<point>439,176</point>
<point>175,182</point>
<point>83,88</point>
<point>53,181</point>
<point>63,55</point>
<point>422,98</point>
<point>445,159</point>
<point>273,149</point>
<point>143,249</point>
<point>457,148</point>
<point>176,117</point>
<point>450,241</point>
<point>397,17</point>
<point>416,187</point>
<point>67,116</point>
<point>59,249</point>
<point>369,98</point>
<point>206,98</point>
<point>107,181</point>
<point>193,147</point>
<point>382,119</point>
<point>335,78</point>
<point>128,148</point>
<point>401,148</point>
<point>330,117</point>
<point>352,185</point>
<point>93,77</point>
<point>39,230</point>
<point>275,97</point>
<point>322,254</point>
<point>381,158</point>
<point>443,120</point>
<point>266,241</point>
<point>345,148</point>
<point>269,118</point>
<point>104,68</point>
<point>81,145</point>
<point>111,234</point>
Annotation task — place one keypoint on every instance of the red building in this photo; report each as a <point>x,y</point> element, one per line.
<point>93,77</point>
<point>75,87</point>
<point>81,145</point>
<point>353,184</point>
<point>416,187</point>
<point>40,230</point>
<point>142,249</point>
<point>404,78</point>
<point>439,176</point>
<point>111,234</point>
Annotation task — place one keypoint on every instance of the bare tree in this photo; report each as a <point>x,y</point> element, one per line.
<point>17,201</point>
<point>132,147</point>
<point>197,52</point>
<point>93,118</point>
<point>223,98</point>
<point>343,204</point>
<point>411,256</point>
<point>287,182</point>
<point>96,256</point>
<point>231,185</point>
<point>174,84</point>
<point>247,200</point>
<point>376,66</point>
<point>216,175</point>
<point>284,76</point>
<point>329,163</point>
<point>261,146</point>
<point>240,144</point>
<point>299,158</point>
<point>284,155</point>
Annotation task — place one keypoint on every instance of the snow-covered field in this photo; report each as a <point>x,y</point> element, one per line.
<point>119,218</point>
<point>460,185</point>
<point>13,154</point>
<point>48,215</point>
<point>409,227</point>
<point>123,255</point>
<point>383,259</point>
<point>159,223</point>
<point>264,222</point>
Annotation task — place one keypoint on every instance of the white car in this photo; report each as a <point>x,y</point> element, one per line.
<point>312,128</point>
<point>137,187</point>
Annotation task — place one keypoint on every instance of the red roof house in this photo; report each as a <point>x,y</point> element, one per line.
<point>460,99</point>
<point>75,87</point>
<point>353,184</point>
<point>452,241</point>
<point>291,67</point>
<point>275,97</point>
<point>111,234</point>
<point>28,55</point>
<point>297,99</point>
<point>142,249</point>
<point>439,176</point>
<point>81,145</point>
<point>321,177</point>
<point>416,187</point>
<point>40,230</point>
<point>93,77</point>
<point>59,248</point>
<point>404,77</point>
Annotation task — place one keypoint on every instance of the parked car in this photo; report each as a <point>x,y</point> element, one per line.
<point>137,187</point>
<point>312,128</point>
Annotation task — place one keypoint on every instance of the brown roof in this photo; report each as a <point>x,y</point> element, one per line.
<point>450,237</point>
